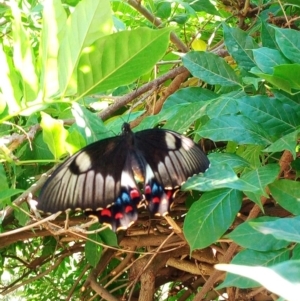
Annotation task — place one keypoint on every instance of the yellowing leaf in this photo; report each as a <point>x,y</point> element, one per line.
<point>54,134</point>
<point>199,45</point>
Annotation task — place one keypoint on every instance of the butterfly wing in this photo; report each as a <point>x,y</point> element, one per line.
<point>97,179</point>
<point>171,159</point>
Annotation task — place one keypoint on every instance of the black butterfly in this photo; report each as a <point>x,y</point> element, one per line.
<point>103,178</point>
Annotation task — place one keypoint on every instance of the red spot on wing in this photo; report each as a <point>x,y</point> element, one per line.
<point>156,200</point>
<point>134,194</point>
<point>119,215</point>
<point>106,212</point>
<point>128,209</point>
<point>147,189</point>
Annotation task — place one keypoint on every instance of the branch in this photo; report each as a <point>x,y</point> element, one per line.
<point>155,21</point>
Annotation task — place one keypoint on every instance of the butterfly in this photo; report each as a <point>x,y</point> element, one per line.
<point>106,177</point>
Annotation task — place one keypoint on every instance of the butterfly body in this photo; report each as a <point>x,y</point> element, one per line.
<point>105,178</point>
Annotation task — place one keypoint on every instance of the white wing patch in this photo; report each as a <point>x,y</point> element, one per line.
<point>83,162</point>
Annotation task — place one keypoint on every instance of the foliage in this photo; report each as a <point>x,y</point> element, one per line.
<point>73,71</point>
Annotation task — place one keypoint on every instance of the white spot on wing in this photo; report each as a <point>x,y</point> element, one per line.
<point>89,188</point>
<point>83,162</point>
<point>127,179</point>
<point>149,173</point>
<point>187,143</point>
<point>170,141</point>
<point>99,188</point>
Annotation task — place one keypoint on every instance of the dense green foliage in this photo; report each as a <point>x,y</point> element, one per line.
<point>71,72</point>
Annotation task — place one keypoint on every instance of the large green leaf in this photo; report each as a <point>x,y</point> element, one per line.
<point>239,44</point>
<point>210,68</point>
<point>9,85</point>
<point>247,237</point>
<point>287,194</point>
<point>266,59</point>
<point>209,218</point>
<point>277,116</point>
<point>288,41</point>
<point>282,279</point>
<point>89,21</point>
<point>120,58</point>
<point>282,228</point>
<point>253,258</point>
<point>240,129</point>
<point>286,142</point>
<point>23,56</point>
<point>53,29</point>
<point>219,175</point>
<point>261,177</point>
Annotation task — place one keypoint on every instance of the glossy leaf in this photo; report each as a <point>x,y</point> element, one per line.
<point>282,279</point>
<point>105,65</point>
<point>240,129</point>
<point>288,41</point>
<point>261,177</point>
<point>249,238</point>
<point>287,194</point>
<point>210,68</point>
<point>283,228</point>
<point>279,117</point>
<point>96,23</point>
<point>266,59</point>
<point>239,45</point>
<point>253,258</point>
<point>209,218</point>
<point>53,29</point>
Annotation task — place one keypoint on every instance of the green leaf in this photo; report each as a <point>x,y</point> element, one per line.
<point>9,84</point>
<point>23,56</point>
<point>286,274</point>
<point>109,237</point>
<point>209,218</point>
<point>49,246</point>
<point>233,160</point>
<point>287,142</point>
<point>268,34</point>
<point>225,104</point>
<point>89,125</point>
<point>54,134</point>
<point>247,237</point>
<point>105,65</point>
<point>20,215</point>
<point>185,116</point>
<point>283,228</point>
<point>277,116</point>
<point>89,21</point>
<point>278,82</point>
<point>53,29</point>
<point>266,59</point>
<point>240,45</point>
<point>210,68</point>
<point>290,73</point>
<point>8,192</point>
<point>93,250</point>
<point>163,10</point>
<point>288,41</point>
<point>204,6</point>
<point>253,258</point>
<point>240,129</point>
<point>287,194</point>
<point>261,177</point>
<point>217,176</point>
